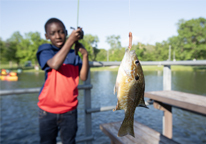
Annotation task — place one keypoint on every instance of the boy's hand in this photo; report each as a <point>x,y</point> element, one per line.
<point>75,35</point>
<point>79,47</point>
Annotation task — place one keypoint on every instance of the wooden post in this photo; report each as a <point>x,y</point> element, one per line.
<point>167,118</point>
<point>167,77</point>
<point>167,121</point>
<point>87,105</point>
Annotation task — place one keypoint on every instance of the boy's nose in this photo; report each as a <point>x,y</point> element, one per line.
<point>57,35</point>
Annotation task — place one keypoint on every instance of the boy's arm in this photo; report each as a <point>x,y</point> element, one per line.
<point>85,62</point>
<point>57,60</point>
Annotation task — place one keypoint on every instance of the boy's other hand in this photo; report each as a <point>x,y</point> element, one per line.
<point>79,47</point>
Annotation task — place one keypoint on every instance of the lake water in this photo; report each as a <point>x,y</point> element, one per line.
<point>19,113</point>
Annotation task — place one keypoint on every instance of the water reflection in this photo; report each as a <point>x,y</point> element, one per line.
<point>153,81</point>
<point>191,82</point>
<point>19,114</point>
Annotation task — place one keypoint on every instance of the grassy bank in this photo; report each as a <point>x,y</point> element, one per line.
<point>115,68</point>
<point>153,68</point>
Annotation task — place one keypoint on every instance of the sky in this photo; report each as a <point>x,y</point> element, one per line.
<point>150,21</point>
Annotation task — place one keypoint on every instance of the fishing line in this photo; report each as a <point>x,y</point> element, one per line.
<point>130,33</point>
<point>129,17</point>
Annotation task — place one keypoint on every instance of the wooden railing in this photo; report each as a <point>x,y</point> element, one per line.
<point>87,86</point>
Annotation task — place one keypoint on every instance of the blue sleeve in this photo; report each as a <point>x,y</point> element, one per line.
<point>43,56</point>
<point>78,59</point>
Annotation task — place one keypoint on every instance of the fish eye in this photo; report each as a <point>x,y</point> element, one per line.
<point>136,62</point>
<point>136,77</point>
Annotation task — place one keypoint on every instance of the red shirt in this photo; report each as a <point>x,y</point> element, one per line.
<point>59,92</point>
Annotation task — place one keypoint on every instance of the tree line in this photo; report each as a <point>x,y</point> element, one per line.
<point>190,43</point>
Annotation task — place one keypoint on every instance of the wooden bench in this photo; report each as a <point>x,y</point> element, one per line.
<point>143,135</point>
<point>167,99</point>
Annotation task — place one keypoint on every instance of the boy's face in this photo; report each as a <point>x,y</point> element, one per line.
<point>56,33</point>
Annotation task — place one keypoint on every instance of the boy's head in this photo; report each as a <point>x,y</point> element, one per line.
<point>55,32</point>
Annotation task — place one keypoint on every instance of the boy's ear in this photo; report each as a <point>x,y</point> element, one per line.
<point>46,36</point>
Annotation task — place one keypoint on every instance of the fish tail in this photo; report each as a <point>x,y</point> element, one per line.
<point>127,126</point>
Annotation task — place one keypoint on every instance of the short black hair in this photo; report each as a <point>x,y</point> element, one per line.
<point>52,20</point>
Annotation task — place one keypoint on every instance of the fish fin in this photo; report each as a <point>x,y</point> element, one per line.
<point>116,87</point>
<point>142,104</point>
<point>127,126</point>
<point>117,106</point>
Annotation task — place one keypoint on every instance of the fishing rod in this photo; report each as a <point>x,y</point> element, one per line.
<point>81,32</point>
<point>77,13</point>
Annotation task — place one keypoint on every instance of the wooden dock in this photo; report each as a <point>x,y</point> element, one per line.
<point>187,101</point>
<point>165,100</point>
<point>143,135</point>
<point>162,100</point>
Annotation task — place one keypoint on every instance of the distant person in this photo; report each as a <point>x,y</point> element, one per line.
<point>58,96</point>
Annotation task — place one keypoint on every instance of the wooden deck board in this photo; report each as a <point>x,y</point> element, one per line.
<point>192,102</point>
<point>143,134</point>
<point>181,96</point>
<point>139,137</point>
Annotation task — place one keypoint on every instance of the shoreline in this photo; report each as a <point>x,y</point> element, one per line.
<point>115,68</point>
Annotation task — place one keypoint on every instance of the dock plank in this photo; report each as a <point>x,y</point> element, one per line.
<point>192,102</point>
<point>143,134</point>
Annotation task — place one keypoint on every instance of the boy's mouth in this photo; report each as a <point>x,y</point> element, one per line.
<point>59,42</point>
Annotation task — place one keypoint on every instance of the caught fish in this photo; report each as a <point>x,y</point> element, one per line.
<point>130,87</point>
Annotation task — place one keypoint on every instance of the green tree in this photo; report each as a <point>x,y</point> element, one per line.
<point>116,54</point>
<point>2,50</point>
<point>12,46</point>
<point>10,52</point>
<point>90,42</point>
<point>115,51</point>
<point>161,51</point>
<point>20,49</point>
<point>114,42</point>
<point>192,35</point>
<point>101,55</point>
<point>139,50</point>
<point>28,47</point>
<point>176,48</point>
<point>16,37</point>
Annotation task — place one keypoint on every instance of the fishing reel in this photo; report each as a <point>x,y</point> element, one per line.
<point>81,32</point>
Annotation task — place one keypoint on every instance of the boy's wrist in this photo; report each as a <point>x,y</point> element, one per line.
<point>85,54</point>
<point>71,40</point>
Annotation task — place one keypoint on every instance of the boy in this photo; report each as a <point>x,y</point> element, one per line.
<point>58,96</point>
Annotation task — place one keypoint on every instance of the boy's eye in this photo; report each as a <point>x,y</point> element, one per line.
<point>62,32</point>
<point>52,33</point>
